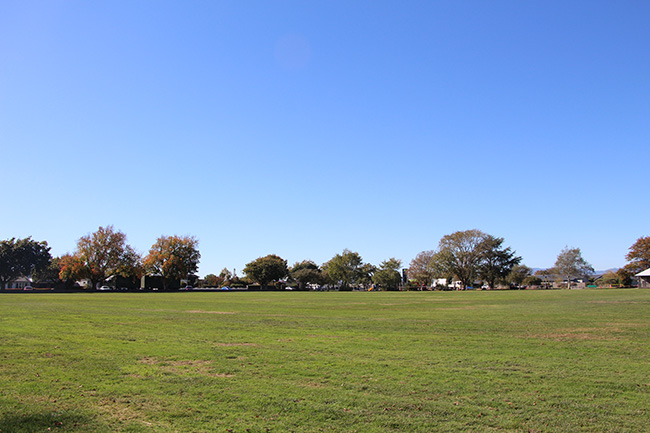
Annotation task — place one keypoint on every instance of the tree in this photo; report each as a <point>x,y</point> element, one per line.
<point>266,269</point>
<point>518,274</point>
<point>344,270</point>
<point>49,274</point>
<point>388,275</point>
<point>211,280</point>
<point>495,261</point>
<point>421,269</point>
<point>366,273</point>
<point>461,255</point>
<point>639,256</point>
<point>173,258</point>
<point>306,272</point>
<point>570,265</point>
<point>226,275</point>
<point>20,258</point>
<point>100,255</point>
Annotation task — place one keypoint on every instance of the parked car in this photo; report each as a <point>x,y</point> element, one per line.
<point>186,288</point>
<point>28,288</point>
<point>105,289</point>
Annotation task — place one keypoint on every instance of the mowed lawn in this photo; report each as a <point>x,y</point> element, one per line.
<point>510,361</point>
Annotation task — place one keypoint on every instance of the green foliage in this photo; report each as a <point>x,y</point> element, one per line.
<point>460,255</point>
<point>542,361</point>
<point>518,274</point>
<point>531,280</point>
<point>306,272</point>
<point>495,261</point>
<point>346,270</point>
<point>570,265</point>
<point>21,257</point>
<point>267,269</point>
<point>388,276</point>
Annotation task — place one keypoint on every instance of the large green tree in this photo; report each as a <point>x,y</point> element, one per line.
<point>21,258</point>
<point>638,256</point>
<point>388,276</point>
<point>173,258</point>
<point>266,269</point>
<point>570,265</point>
<point>495,260</point>
<point>344,270</point>
<point>460,255</point>
<point>306,272</point>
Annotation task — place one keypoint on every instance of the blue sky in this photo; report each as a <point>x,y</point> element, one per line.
<point>301,128</point>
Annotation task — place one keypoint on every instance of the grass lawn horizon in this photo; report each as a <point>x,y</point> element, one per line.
<point>487,361</point>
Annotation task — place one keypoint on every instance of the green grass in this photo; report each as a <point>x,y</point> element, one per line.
<point>543,361</point>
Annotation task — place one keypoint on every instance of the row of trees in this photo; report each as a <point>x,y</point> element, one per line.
<point>344,271</point>
<point>99,257</point>
<point>469,257</point>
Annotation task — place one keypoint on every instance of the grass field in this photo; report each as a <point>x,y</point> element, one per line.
<point>534,361</point>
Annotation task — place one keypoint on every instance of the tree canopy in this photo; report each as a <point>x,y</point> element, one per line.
<point>461,254</point>
<point>21,258</point>
<point>266,269</point>
<point>306,272</point>
<point>345,270</point>
<point>100,255</point>
<point>495,260</point>
<point>173,258</point>
<point>570,265</point>
<point>388,276</point>
<point>639,256</point>
<point>421,269</point>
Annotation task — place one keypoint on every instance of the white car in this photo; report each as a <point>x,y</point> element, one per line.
<point>104,289</point>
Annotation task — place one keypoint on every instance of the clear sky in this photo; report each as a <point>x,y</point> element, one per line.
<point>301,128</point>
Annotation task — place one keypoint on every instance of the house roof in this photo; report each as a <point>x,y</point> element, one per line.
<point>645,273</point>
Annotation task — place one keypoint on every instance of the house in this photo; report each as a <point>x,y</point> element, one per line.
<point>644,279</point>
<point>18,284</point>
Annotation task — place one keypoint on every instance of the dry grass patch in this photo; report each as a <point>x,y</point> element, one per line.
<point>209,312</point>
<point>603,334</point>
<point>235,344</point>
<point>200,367</point>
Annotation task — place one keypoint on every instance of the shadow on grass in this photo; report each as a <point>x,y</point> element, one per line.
<point>48,421</point>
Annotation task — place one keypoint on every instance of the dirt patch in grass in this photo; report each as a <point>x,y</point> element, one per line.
<point>209,312</point>
<point>235,344</point>
<point>603,334</point>
<point>200,367</point>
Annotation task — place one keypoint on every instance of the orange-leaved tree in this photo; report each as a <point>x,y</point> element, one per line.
<point>173,257</point>
<point>100,255</point>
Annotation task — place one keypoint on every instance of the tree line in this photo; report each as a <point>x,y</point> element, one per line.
<point>462,259</point>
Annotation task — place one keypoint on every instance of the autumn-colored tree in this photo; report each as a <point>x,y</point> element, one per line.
<point>100,255</point>
<point>421,269</point>
<point>173,258</point>
<point>211,280</point>
<point>266,269</point>
<point>639,256</point>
